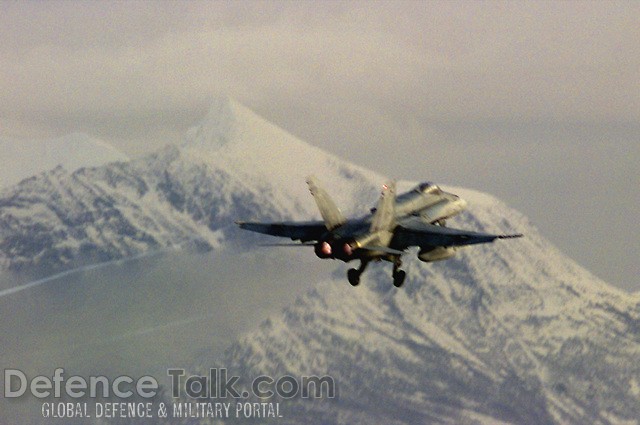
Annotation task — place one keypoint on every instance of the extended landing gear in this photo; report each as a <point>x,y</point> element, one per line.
<point>354,274</point>
<point>354,277</point>
<point>398,278</point>
<point>398,275</point>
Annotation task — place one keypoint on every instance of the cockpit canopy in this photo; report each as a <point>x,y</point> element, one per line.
<point>428,188</point>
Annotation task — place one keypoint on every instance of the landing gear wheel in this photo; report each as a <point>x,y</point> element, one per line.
<point>398,278</point>
<point>398,275</point>
<point>354,277</point>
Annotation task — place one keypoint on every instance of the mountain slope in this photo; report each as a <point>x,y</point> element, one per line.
<point>509,332</point>
<point>235,165</point>
<point>24,158</point>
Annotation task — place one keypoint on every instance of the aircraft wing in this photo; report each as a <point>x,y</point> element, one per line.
<point>297,230</point>
<point>415,232</point>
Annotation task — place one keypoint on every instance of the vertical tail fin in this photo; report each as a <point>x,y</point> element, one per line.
<point>330,213</point>
<point>385,215</point>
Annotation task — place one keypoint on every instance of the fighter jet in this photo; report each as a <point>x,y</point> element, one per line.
<point>415,218</point>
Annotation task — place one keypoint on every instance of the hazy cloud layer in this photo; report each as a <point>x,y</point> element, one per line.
<point>442,60</point>
<point>499,96</point>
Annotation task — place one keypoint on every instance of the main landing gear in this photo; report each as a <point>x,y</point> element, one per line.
<point>398,275</point>
<point>353,275</point>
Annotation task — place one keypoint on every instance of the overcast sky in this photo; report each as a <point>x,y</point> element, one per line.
<point>535,102</point>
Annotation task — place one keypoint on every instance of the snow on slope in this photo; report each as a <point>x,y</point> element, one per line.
<point>235,165</point>
<point>24,158</point>
<point>509,332</point>
<point>248,147</point>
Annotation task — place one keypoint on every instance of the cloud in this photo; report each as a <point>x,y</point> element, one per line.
<point>455,61</point>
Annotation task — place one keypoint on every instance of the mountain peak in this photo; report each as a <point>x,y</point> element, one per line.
<point>218,127</point>
<point>234,138</point>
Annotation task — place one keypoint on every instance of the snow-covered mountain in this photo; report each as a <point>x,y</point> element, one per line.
<point>509,332</point>
<point>235,165</point>
<point>26,157</point>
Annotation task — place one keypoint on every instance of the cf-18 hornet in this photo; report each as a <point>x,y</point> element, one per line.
<point>415,218</point>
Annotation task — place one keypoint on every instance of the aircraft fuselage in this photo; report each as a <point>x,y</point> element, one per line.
<point>429,202</point>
